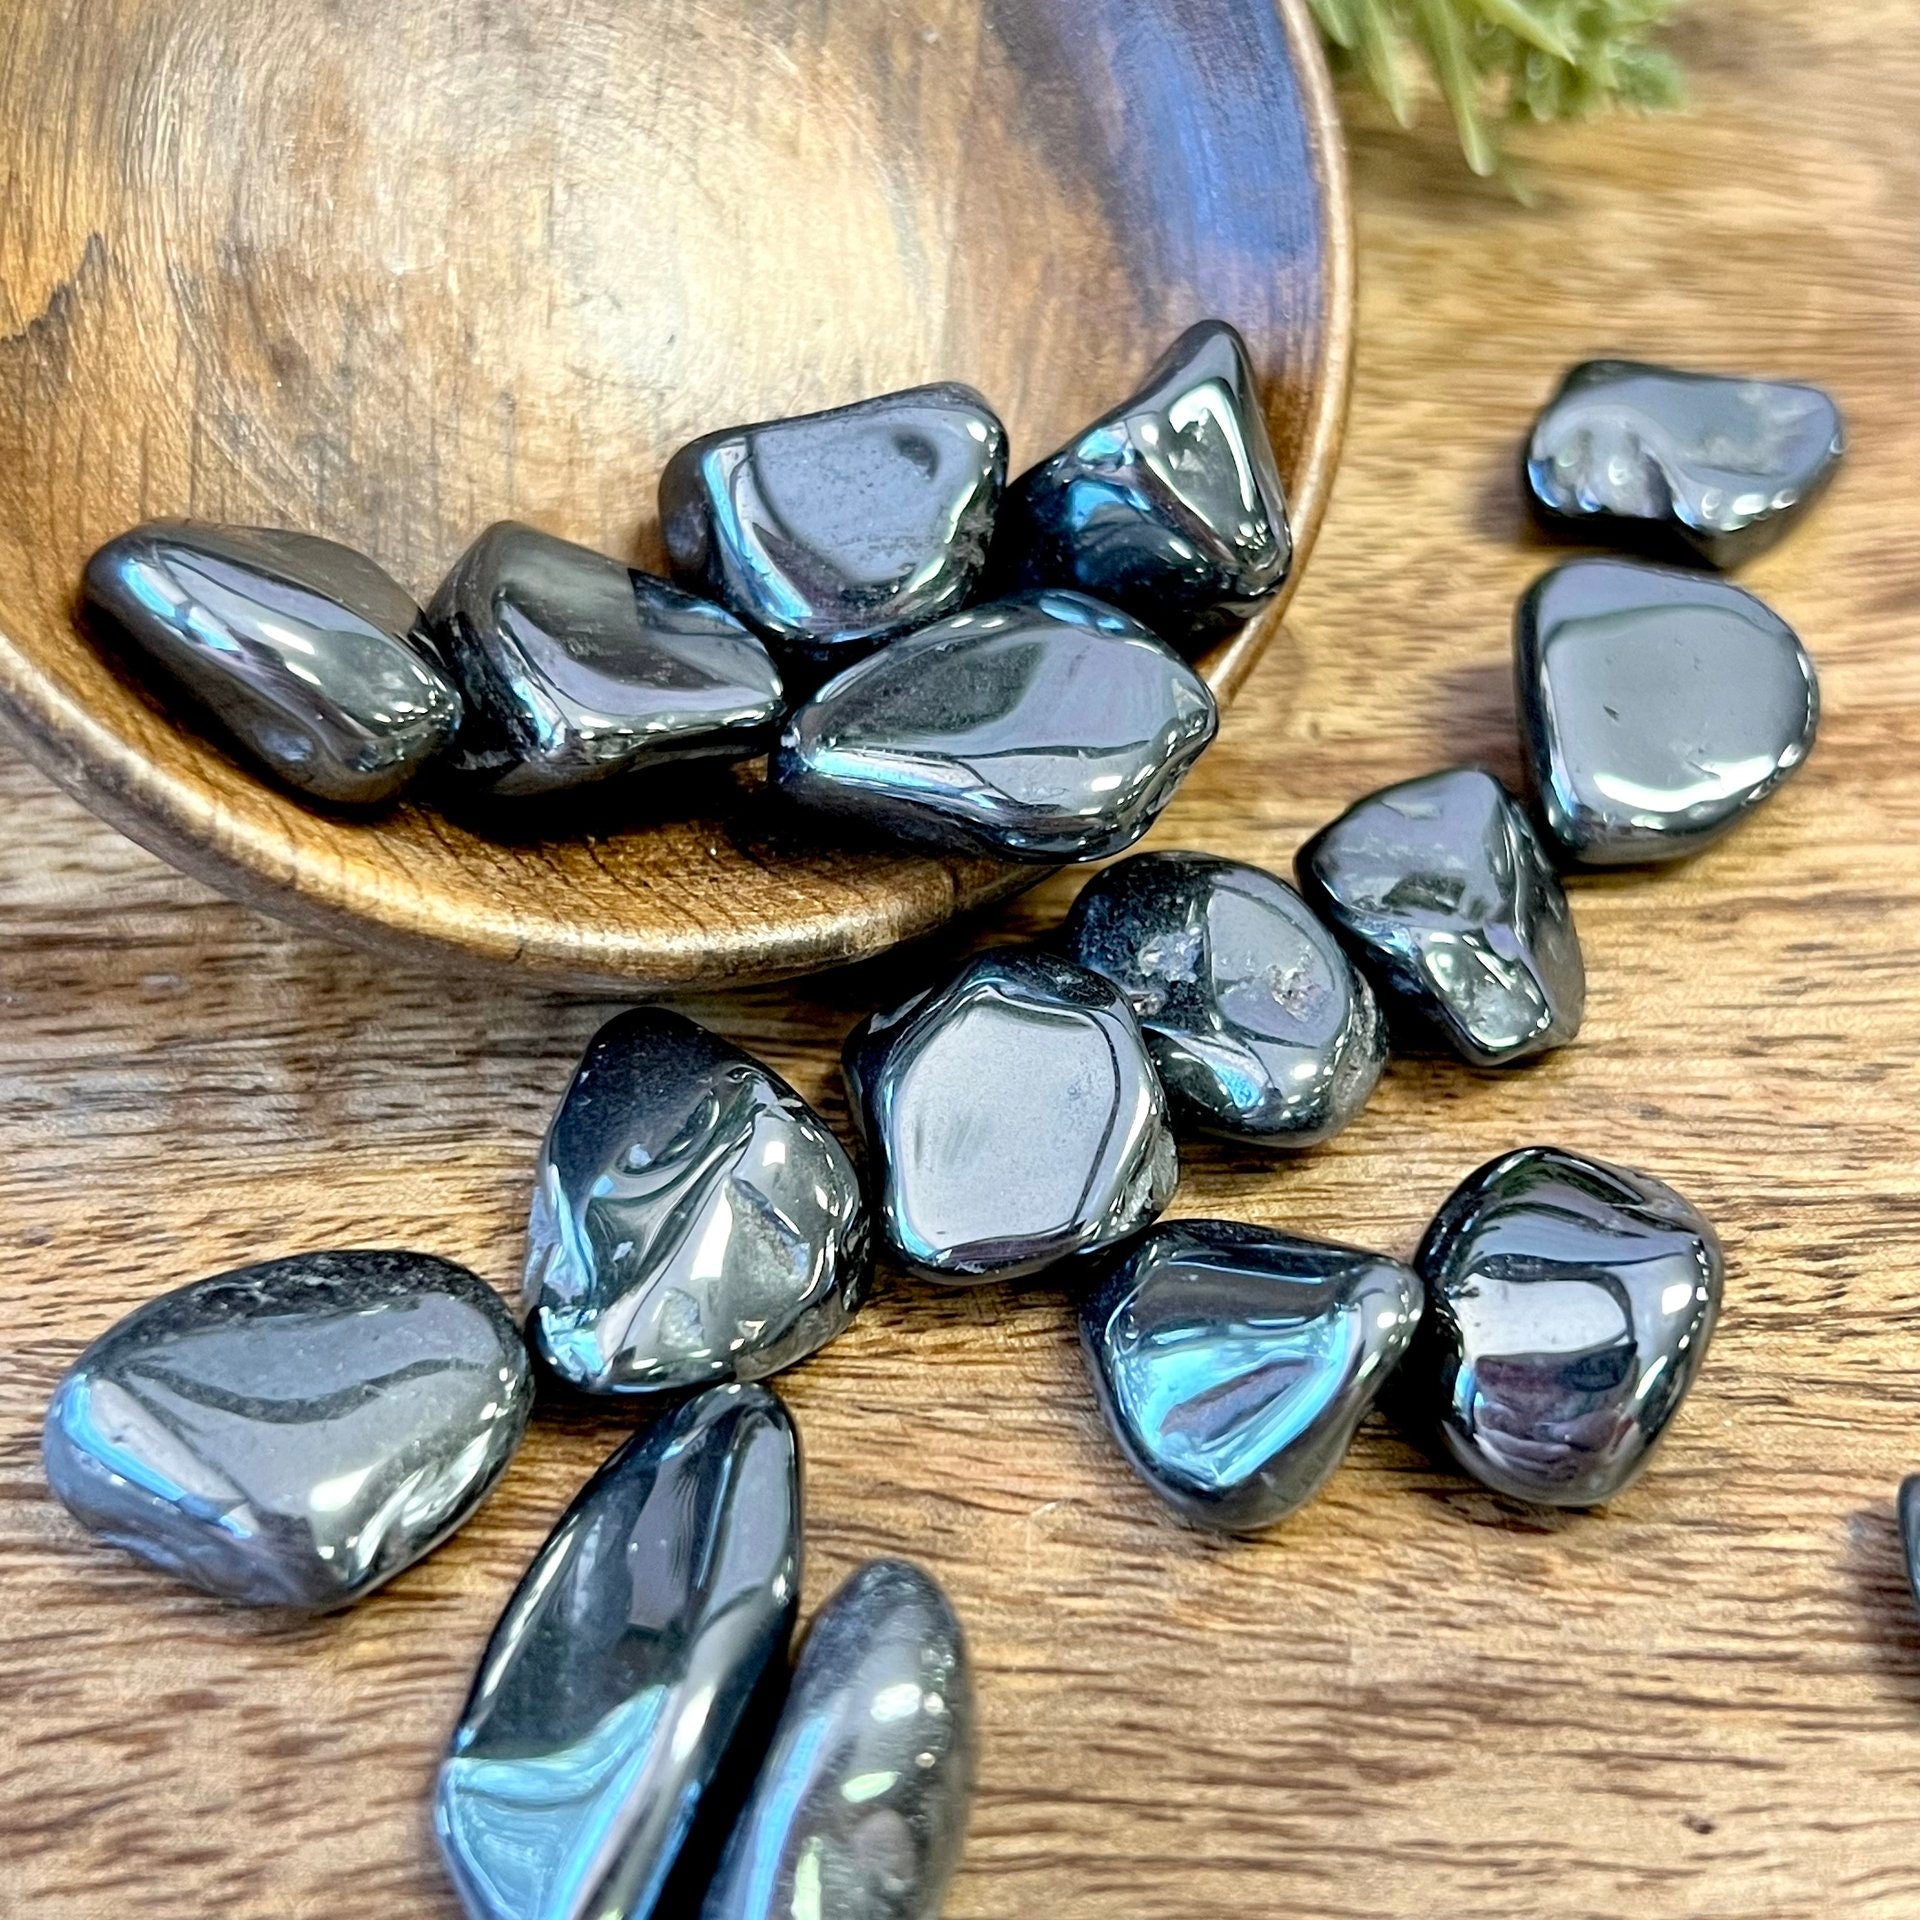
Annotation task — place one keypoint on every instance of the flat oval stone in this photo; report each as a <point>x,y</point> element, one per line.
<point>860,1810</point>
<point>1444,896</point>
<point>1046,727</point>
<point>641,1656</point>
<point>1569,1305</point>
<point>1657,708</point>
<point>577,669</point>
<point>1259,1026</point>
<point>694,1220</point>
<point>306,658</point>
<point>1714,467</point>
<point>1170,507</point>
<point>1233,1363</point>
<point>833,531</point>
<point>294,1433</point>
<point>1910,1531</point>
<point>1013,1118</point>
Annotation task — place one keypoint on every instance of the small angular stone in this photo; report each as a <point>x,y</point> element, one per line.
<point>694,1220</point>
<point>639,1661</point>
<point>1233,1364</point>
<point>304,655</point>
<point>1443,895</point>
<point>1260,1027</point>
<point>293,1433</point>
<point>1569,1305</point>
<point>1657,708</point>
<point>1696,463</point>
<point>1046,727</point>
<point>1910,1531</point>
<point>834,531</point>
<point>577,669</point>
<point>1013,1117</point>
<point>860,1810</point>
<point>1170,507</point>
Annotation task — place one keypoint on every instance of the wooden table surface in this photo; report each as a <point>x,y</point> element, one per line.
<point>1414,1699</point>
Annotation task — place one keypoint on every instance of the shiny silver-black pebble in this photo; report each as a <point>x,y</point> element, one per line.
<point>694,1220</point>
<point>1260,1027</point>
<point>1657,708</point>
<point>1691,464</point>
<point>293,1433</point>
<point>304,655</point>
<point>1440,889</point>
<point>640,1660</point>
<point>1910,1532</point>
<point>1569,1306</point>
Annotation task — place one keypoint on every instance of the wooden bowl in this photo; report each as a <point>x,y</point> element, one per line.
<point>388,270</point>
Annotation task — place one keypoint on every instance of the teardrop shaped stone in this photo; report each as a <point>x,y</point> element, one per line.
<point>833,531</point>
<point>303,654</point>
<point>1569,1305</point>
<point>1233,1363</point>
<point>694,1220</point>
<point>860,1810</point>
<point>1170,507</point>
<point>1260,1027</point>
<point>293,1433</point>
<point>1657,708</point>
<point>577,669</point>
<point>1698,463</point>
<point>1046,727</point>
<point>640,1658</point>
<point>1910,1531</point>
<point>1442,893</point>
<point>1013,1118</point>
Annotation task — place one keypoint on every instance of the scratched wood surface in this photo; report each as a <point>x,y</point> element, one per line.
<point>1415,1699</point>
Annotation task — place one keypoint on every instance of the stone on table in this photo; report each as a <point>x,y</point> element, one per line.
<point>1910,1531</point>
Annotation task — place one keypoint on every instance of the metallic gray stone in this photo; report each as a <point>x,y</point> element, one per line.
<point>1259,1026</point>
<point>639,1661</point>
<point>1046,727</point>
<point>694,1220</point>
<point>303,654</point>
<point>1910,1531</point>
<point>860,1810</point>
<point>1013,1118</point>
<point>293,1433</point>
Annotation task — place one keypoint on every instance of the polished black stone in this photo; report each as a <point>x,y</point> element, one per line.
<point>1233,1363</point>
<point>1443,894</point>
<point>833,531</point>
<point>302,654</point>
<point>1013,1118</point>
<point>860,1810</point>
<point>1260,1027</point>
<point>1692,463</point>
<point>694,1220</point>
<point>1910,1531</point>
<point>577,669</point>
<point>1169,507</point>
<point>293,1433</point>
<point>1569,1305</point>
<point>1046,727</point>
<point>639,1660</point>
<point>1657,708</point>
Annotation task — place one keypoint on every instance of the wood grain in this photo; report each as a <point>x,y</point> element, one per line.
<point>1414,1700</point>
<point>390,270</point>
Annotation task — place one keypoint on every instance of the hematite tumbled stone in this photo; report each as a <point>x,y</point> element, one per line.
<point>1569,1305</point>
<point>293,1433</point>
<point>1657,708</point>
<point>1013,1117</point>
<point>1700,463</point>
<point>1233,1363</point>
<point>833,531</point>
<point>1045,727</point>
<point>1170,507</point>
<point>1910,1531</point>
<point>640,1658</point>
<point>1442,893</point>
<point>1258,1024</point>
<point>306,656</point>
<point>694,1220</point>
